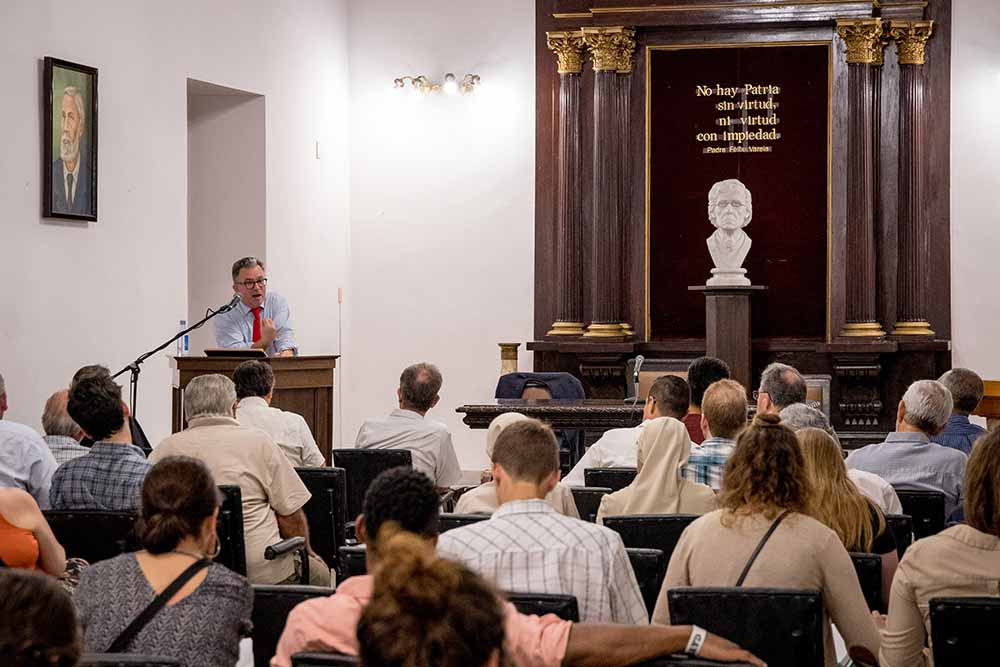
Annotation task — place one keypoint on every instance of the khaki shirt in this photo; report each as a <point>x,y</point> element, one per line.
<point>248,458</point>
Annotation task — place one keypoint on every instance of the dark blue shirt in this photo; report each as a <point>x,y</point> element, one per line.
<point>959,434</point>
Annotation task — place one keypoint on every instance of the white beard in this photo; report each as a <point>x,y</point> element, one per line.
<point>69,151</point>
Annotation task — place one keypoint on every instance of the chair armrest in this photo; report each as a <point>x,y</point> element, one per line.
<point>284,547</point>
<point>447,501</point>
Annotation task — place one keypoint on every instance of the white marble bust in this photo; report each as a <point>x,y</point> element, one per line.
<point>729,210</point>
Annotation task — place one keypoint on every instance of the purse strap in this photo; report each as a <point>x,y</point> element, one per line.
<point>760,546</point>
<point>147,614</point>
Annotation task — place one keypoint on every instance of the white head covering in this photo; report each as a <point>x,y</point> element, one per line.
<point>499,423</point>
<point>659,488</point>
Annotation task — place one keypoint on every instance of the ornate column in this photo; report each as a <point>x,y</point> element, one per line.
<point>611,51</point>
<point>623,110</point>
<point>568,47</point>
<point>864,44</point>
<point>914,235</point>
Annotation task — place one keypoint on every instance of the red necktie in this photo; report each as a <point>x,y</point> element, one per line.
<point>256,323</point>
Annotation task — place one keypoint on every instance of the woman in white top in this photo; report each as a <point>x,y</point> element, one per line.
<point>659,488</point>
<point>483,499</point>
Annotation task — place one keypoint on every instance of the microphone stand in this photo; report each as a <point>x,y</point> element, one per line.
<point>134,367</point>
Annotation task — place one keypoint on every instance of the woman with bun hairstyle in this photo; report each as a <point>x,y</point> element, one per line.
<point>766,484</point>
<point>202,623</point>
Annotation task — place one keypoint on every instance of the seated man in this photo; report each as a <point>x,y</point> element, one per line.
<point>25,461</point>
<point>254,390</point>
<point>261,320</point>
<point>408,428</point>
<point>407,498</point>
<point>273,494</point>
<point>723,416</point>
<point>618,447</point>
<point>702,372</point>
<point>908,459</point>
<point>801,415</point>
<point>527,546</point>
<point>780,386</point>
<point>966,391</point>
<point>110,475</point>
<point>62,434</point>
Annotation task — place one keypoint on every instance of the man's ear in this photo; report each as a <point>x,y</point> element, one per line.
<point>703,422</point>
<point>126,411</point>
<point>550,482</point>
<point>3,403</point>
<point>360,529</point>
<point>435,401</point>
<point>399,394</point>
<point>900,413</point>
<point>498,472</point>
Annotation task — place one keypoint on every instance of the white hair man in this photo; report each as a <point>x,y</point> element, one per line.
<point>908,459</point>
<point>71,177</point>
<point>800,415</point>
<point>273,494</point>
<point>62,434</point>
<point>25,461</point>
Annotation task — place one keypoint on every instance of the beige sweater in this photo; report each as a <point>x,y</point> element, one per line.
<point>802,553</point>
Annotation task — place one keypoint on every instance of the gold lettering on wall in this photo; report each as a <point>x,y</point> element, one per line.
<point>750,121</point>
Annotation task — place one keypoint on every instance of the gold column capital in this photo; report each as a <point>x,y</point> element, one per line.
<point>611,49</point>
<point>568,47</point>
<point>911,38</point>
<point>864,40</point>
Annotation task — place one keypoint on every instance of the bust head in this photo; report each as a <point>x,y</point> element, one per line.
<point>729,205</point>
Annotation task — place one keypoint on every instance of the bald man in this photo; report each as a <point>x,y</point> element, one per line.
<point>62,434</point>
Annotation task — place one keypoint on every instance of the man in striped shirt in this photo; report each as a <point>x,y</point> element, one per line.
<point>723,416</point>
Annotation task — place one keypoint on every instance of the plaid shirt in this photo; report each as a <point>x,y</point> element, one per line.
<point>64,448</point>
<point>528,547</point>
<point>707,461</point>
<point>109,477</point>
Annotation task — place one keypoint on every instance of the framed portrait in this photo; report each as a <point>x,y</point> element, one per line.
<point>69,122</point>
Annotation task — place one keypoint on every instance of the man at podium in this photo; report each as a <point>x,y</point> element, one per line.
<point>261,319</point>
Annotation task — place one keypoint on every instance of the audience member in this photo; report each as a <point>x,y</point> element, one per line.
<point>767,487</point>
<point>836,502</point>
<point>254,391</point>
<point>37,624</point>
<point>702,372</point>
<point>659,488</point>
<point>527,546</point>
<point>408,499</point>
<point>110,475</point>
<point>483,498</point>
<point>408,427</point>
<point>800,415</point>
<point>26,541</point>
<point>62,434</point>
<point>780,386</point>
<point>202,623</point>
<point>25,460</point>
<point>723,416</point>
<point>273,494</point>
<point>966,391</point>
<point>136,435</point>
<point>908,459</point>
<point>617,448</point>
<point>960,561</point>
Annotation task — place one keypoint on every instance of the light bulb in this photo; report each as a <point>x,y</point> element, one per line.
<point>450,85</point>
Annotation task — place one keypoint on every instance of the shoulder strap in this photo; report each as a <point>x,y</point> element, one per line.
<point>760,546</point>
<point>147,614</point>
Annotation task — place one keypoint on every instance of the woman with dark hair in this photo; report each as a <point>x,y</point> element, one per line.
<point>206,607</point>
<point>961,561</point>
<point>767,486</point>
<point>37,624</point>
<point>428,611</point>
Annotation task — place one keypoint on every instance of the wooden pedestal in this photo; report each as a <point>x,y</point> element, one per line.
<point>727,327</point>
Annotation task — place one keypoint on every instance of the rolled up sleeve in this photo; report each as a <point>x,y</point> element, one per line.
<point>535,641</point>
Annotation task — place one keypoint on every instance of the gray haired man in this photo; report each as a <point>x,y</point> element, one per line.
<point>62,434</point>
<point>908,459</point>
<point>780,386</point>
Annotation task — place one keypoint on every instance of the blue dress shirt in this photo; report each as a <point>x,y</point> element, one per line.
<point>234,330</point>
<point>109,477</point>
<point>25,461</point>
<point>959,434</point>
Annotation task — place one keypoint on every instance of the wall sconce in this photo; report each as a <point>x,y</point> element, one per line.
<point>449,86</point>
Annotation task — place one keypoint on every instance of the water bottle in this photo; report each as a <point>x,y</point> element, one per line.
<point>182,342</point>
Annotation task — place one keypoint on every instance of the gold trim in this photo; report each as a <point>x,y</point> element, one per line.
<point>919,328</point>
<point>560,328</point>
<point>611,49</point>
<point>605,331</point>
<point>911,38</point>
<point>859,329</point>
<point>693,8</point>
<point>863,38</point>
<point>829,160</point>
<point>569,48</point>
<point>573,15</point>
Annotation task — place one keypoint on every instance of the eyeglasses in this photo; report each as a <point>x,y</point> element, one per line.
<point>250,284</point>
<point>757,392</point>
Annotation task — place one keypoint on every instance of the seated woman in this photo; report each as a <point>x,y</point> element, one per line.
<point>202,623</point>
<point>837,503</point>
<point>659,488</point>
<point>483,498</point>
<point>960,561</point>
<point>26,540</point>
<point>766,481</point>
<point>37,624</point>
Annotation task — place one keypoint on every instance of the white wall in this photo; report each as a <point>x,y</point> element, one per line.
<point>442,204</point>
<point>975,182</point>
<point>105,292</point>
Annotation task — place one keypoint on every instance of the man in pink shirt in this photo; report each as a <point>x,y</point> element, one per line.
<point>408,497</point>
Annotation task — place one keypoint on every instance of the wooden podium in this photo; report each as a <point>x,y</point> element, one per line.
<point>303,385</point>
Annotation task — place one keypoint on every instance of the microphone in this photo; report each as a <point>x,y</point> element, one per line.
<point>229,306</point>
<point>635,376</point>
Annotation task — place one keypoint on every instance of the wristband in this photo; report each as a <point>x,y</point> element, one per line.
<point>696,641</point>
